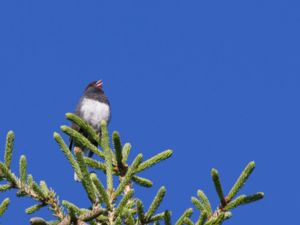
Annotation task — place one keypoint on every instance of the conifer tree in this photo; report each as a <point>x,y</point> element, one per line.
<point>109,204</point>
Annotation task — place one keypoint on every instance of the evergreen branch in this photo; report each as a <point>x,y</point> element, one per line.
<point>99,186</point>
<point>167,217</point>
<point>156,202</point>
<point>65,221</point>
<point>123,203</point>
<point>118,148</point>
<point>125,152</point>
<point>129,218</point>
<point>156,218</point>
<point>198,204</point>
<point>3,206</point>
<point>205,202</point>
<point>5,187</point>
<point>67,152</point>
<point>34,208</point>
<point>241,181</point>
<point>44,188</point>
<point>202,218</point>
<point>30,188</point>
<point>186,214</point>
<point>51,200</point>
<point>84,126</point>
<point>220,218</point>
<point>140,211</point>
<point>131,203</point>
<point>142,181</point>
<point>71,207</point>
<point>188,221</point>
<point>8,174</point>
<point>93,222</point>
<point>36,188</point>
<point>131,170</point>
<point>86,180</point>
<point>29,180</point>
<point>243,199</point>
<point>94,164</point>
<point>10,138</point>
<point>72,214</point>
<point>34,191</point>
<point>91,214</point>
<point>227,215</point>
<point>21,194</point>
<point>108,155</point>
<point>115,164</point>
<point>102,220</point>
<point>218,186</point>
<point>81,223</point>
<point>81,140</point>
<point>118,221</point>
<point>154,160</point>
<point>216,220</point>
<point>84,215</point>
<point>23,168</point>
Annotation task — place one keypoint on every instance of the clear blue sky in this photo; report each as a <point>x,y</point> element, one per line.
<point>216,81</point>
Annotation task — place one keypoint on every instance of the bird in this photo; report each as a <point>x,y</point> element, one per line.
<point>93,107</point>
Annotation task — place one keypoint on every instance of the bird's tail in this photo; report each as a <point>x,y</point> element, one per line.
<point>71,144</point>
<point>76,178</point>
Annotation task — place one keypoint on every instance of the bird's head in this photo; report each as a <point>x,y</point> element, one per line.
<point>94,86</point>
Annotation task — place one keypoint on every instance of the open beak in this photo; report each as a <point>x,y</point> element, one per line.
<point>99,84</point>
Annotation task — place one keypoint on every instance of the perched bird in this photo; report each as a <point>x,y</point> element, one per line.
<point>93,107</point>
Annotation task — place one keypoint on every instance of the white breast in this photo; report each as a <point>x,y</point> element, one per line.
<point>94,112</point>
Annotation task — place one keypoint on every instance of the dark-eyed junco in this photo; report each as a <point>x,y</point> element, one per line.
<point>93,107</point>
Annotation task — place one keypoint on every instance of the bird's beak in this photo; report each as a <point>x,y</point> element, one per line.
<point>99,84</point>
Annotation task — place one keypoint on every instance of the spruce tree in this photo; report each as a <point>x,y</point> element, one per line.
<point>109,204</point>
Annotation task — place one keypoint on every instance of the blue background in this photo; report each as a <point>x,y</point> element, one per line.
<point>216,81</point>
